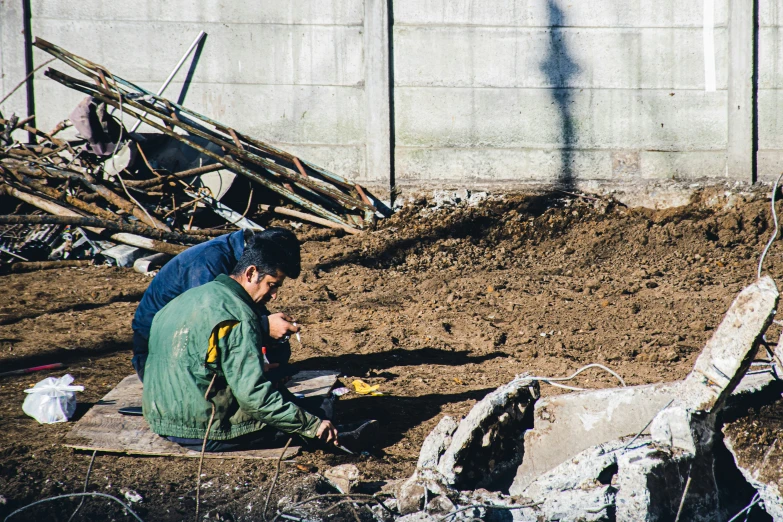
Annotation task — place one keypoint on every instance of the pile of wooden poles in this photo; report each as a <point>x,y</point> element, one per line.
<point>152,208</point>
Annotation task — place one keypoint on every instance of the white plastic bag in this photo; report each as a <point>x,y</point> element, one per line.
<point>51,400</point>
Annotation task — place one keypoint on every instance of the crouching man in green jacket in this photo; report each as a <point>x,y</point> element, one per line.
<point>206,371</point>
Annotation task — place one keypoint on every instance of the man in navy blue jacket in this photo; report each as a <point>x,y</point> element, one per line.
<point>201,264</point>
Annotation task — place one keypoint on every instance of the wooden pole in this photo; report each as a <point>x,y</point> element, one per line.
<point>128,239</point>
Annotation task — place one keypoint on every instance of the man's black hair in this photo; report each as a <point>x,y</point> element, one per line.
<point>275,249</point>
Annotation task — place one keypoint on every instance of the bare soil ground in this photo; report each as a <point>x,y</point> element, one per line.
<point>438,307</point>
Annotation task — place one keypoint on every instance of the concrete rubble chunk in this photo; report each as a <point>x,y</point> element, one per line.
<point>651,481</point>
<point>440,505</point>
<point>578,489</point>
<point>436,443</point>
<point>410,497</point>
<point>344,477</point>
<point>487,443</point>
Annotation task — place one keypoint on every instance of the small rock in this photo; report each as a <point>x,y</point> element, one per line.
<point>698,326</point>
<point>440,505</point>
<point>132,496</point>
<point>343,477</point>
<point>593,284</point>
<point>651,284</point>
<point>411,496</point>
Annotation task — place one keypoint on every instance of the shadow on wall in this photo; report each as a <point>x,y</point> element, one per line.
<point>559,68</point>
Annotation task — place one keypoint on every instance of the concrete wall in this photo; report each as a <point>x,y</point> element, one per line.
<point>485,91</point>
<point>552,90</point>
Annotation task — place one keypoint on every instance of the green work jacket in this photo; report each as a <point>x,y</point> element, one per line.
<point>213,329</point>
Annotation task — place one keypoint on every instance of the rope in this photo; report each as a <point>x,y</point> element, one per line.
<point>775,220</point>
<point>72,495</point>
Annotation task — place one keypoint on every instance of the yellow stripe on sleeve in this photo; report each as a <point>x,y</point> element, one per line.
<point>218,333</point>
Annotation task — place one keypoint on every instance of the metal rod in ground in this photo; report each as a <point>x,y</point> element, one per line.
<point>54,366</point>
<point>177,67</point>
<point>121,237</point>
<point>113,226</point>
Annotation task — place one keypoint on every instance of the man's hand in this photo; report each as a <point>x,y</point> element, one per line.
<point>327,432</point>
<point>281,325</point>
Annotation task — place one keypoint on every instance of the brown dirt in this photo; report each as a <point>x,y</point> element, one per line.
<point>436,307</point>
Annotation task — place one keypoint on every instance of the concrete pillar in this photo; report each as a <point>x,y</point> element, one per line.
<point>12,69</point>
<point>376,88</point>
<point>740,105</point>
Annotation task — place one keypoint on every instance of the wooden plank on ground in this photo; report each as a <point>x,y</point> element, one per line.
<point>103,428</point>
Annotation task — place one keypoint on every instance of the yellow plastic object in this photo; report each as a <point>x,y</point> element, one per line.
<point>362,388</point>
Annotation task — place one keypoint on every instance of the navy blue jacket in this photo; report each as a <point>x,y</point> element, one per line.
<point>194,267</point>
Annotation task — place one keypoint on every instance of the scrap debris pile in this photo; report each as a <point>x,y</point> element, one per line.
<point>120,194</point>
<point>652,452</point>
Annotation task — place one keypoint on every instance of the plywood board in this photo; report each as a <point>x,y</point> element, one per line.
<point>103,428</point>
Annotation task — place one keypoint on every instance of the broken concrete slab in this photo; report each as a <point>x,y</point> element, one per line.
<point>690,422</point>
<point>568,424</point>
<point>488,443</point>
<point>565,425</point>
<point>728,354</point>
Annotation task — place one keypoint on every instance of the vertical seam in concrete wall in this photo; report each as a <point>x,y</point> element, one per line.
<point>739,151</point>
<point>392,127</point>
<point>27,18</point>
<point>754,168</point>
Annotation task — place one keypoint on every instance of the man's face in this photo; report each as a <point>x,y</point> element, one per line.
<point>264,288</point>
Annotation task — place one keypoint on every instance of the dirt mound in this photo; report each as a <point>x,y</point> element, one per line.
<point>436,306</point>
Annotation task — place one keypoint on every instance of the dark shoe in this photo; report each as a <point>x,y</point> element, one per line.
<point>358,436</point>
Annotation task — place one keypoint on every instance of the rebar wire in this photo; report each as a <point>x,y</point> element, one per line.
<point>775,220</point>
<point>86,483</point>
<point>646,426</point>
<point>356,497</point>
<point>488,506</point>
<point>274,480</point>
<point>684,494</point>
<point>25,80</point>
<point>72,495</point>
<point>756,499</point>
<point>554,381</point>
